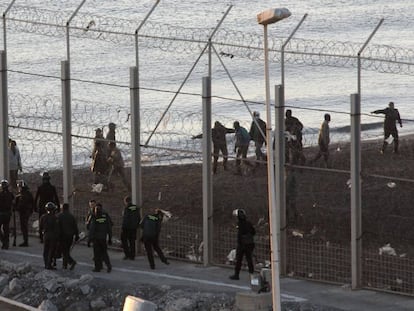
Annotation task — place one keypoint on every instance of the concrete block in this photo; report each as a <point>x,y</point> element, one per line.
<point>137,304</point>
<point>248,301</point>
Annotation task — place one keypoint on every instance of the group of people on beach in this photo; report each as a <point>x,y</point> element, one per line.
<point>293,139</point>
<point>107,159</point>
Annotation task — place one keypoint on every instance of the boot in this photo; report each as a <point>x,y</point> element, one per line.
<point>395,146</point>
<point>384,145</point>
<point>234,277</point>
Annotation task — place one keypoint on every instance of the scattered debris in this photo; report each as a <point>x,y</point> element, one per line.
<point>387,250</point>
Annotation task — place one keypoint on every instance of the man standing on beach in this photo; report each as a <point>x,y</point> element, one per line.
<point>392,116</point>
<point>241,146</point>
<point>218,135</point>
<point>258,135</point>
<point>324,140</point>
<point>294,143</point>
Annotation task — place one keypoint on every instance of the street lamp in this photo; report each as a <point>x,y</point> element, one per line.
<point>265,18</point>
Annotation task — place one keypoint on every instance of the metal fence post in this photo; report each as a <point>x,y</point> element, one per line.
<point>356,221</point>
<point>4,118</point>
<point>207,174</point>
<point>136,169</point>
<point>280,195</point>
<point>280,154</point>
<point>67,133</point>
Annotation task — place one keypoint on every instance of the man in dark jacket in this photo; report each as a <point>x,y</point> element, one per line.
<point>294,145</point>
<point>392,116</point>
<point>245,243</point>
<point>25,207</point>
<point>68,232</point>
<point>46,192</point>
<point>130,221</point>
<point>117,165</point>
<point>218,135</point>
<point>100,229</point>
<point>151,227</point>
<point>258,135</point>
<point>49,227</point>
<point>6,207</point>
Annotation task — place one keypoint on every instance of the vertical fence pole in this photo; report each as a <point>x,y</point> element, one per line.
<point>68,29</point>
<point>280,154</point>
<point>359,56</point>
<point>4,118</point>
<point>273,215</point>
<point>356,215</point>
<point>135,138</point>
<point>136,169</point>
<point>280,193</point>
<point>207,174</point>
<point>67,133</point>
<point>4,25</point>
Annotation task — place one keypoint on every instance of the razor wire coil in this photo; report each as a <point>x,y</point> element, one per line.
<point>171,38</point>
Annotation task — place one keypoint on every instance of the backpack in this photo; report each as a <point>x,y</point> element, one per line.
<point>245,135</point>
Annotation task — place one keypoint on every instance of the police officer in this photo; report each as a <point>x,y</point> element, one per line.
<point>130,222</point>
<point>46,192</point>
<point>49,227</point>
<point>151,227</point>
<point>25,206</point>
<point>6,206</point>
<point>245,243</point>
<point>100,229</point>
<point>68,232</point>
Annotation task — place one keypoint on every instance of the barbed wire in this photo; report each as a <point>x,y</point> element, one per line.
<point>171,38</point>
<point>38,131</point>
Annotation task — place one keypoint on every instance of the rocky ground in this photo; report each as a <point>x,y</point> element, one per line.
<point>322,203</point>
<point>62,290</point>
<point>65,291</point>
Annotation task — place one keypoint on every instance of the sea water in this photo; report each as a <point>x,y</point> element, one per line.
<point>311,89</point>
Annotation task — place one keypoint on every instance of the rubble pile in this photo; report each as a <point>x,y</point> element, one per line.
<point>51,290</point>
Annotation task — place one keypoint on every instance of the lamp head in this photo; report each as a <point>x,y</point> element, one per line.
<point>271,16</point>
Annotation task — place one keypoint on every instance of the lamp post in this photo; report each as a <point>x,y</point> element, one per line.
<point>265,18</point>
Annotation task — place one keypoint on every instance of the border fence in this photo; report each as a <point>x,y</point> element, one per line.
<point>318,227</point>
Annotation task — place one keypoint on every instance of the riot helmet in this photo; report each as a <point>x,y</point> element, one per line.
<point>50,207</point>
<point>4,184</point>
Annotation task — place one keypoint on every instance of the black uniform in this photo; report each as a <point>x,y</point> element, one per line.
<point>100,229</point>
<point>245,245</point>
<point>50,229</point>
<point>68,231</point>
<point>6,205</point>
<point>25,207</point>
<point>151,227</point>
<point>130,222</point>
<point>46,192</point>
